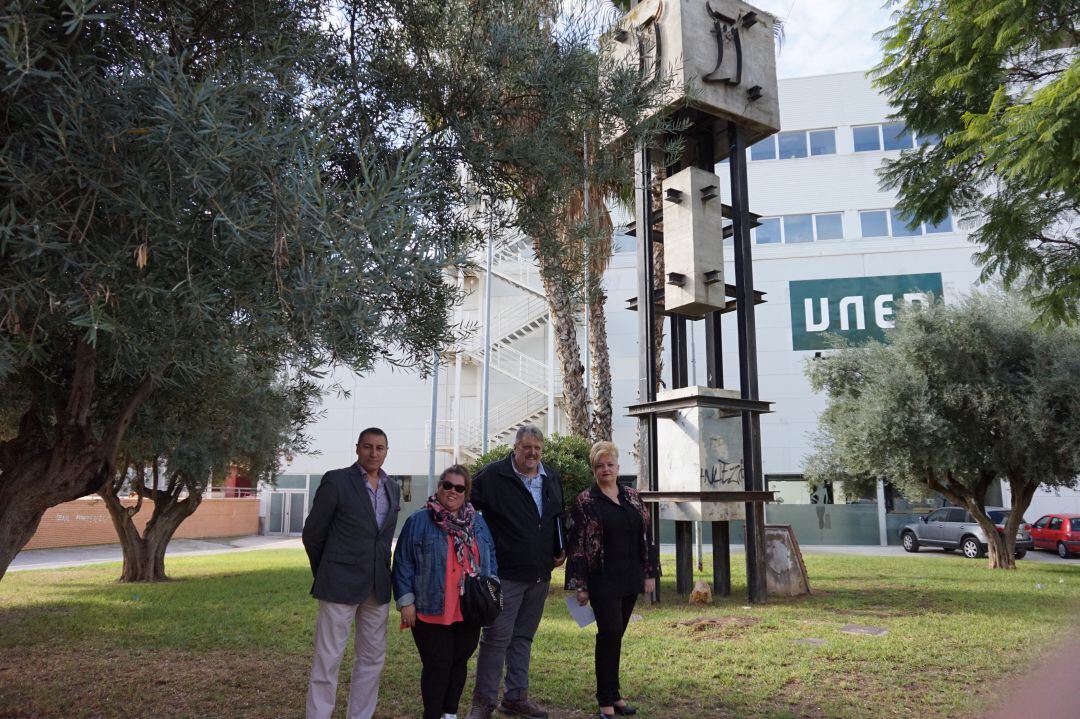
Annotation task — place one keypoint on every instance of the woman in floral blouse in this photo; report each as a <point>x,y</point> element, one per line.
<point>611,560</point>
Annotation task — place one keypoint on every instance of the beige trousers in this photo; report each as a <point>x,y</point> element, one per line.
<point>332,626</point>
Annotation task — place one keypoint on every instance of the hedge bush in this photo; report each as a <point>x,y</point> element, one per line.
<point>569,456</point>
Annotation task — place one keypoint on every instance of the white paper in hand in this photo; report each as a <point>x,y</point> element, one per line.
<point>583,615</point>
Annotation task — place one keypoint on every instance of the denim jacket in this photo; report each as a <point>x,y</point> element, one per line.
<point>419,574</point>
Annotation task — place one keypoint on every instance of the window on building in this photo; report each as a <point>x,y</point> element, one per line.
<point>897,136</point>
<point>823,142</point>
<point>944,226</point>
<point>764,150</point>
<point>901,226</point>
<point>830,226</point>
<point>889,136</point>
<point>799,229</point>
<point>792,144</point>
<point>875,223</point>
<point>894,223</point>
<point>867,138</point>
<point>768,232</point>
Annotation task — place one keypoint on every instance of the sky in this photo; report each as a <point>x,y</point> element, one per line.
<point>827,36</point>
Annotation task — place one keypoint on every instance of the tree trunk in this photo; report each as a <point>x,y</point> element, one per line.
<point>30,487</point>
<point>1000,548</point>
<point>658,326</point>
<point>599,258</point>
<point>144,555</point>
<point>601,367</point>
<point>563,323</point>
<point>55,456</point>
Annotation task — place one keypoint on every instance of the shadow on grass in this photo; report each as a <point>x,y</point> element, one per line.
<point>239,610</point>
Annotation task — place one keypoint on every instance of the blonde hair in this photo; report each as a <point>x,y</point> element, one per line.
<point>601,449</point>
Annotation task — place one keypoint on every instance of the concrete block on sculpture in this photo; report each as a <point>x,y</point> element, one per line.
<point>693,243</point>
<point>718,56</point>
<point>700,450</point>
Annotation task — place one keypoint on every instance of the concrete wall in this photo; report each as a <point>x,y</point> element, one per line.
<point>86,522</point>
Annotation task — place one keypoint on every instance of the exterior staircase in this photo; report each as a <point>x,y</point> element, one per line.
<point>523,317</point>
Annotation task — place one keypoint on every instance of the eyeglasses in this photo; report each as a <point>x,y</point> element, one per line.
<point>459,488</point>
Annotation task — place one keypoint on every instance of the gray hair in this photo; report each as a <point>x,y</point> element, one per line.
<point>529,429</point>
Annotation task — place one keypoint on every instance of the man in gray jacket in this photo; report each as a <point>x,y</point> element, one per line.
<point>348,535</point>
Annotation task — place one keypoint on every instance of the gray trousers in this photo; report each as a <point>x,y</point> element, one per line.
<point>509,641</point>
<point>333,624</point>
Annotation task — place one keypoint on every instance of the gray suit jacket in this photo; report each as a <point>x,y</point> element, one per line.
<point>349,555</point>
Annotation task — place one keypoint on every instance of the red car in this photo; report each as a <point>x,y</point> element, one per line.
<point>1058,532</point>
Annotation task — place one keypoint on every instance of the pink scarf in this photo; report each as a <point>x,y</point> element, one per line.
<point>459,526</point>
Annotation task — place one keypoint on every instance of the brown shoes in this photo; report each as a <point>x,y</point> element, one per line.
<point>480,710</point>
<point>522,707</point>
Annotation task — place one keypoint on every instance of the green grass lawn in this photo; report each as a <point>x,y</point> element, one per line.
<point>230,636</point>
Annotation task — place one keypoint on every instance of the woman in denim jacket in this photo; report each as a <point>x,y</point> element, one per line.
<point>437,547</point>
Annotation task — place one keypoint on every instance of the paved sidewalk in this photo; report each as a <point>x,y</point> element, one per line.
<point>78,556</point>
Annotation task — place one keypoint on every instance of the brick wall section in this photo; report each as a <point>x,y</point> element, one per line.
<point>86,521</point>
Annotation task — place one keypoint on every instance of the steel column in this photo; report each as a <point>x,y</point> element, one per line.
<point>721,559</point>
<point>748,375</point>
<point>647,450</point>
<point>684,531</point>
<point>684,557</point>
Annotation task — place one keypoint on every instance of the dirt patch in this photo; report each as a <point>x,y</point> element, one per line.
<point>715,627</point>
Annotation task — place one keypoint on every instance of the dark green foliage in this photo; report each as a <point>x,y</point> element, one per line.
<point>183,191</point>
<point>999,82</point>
<point>569,456</point>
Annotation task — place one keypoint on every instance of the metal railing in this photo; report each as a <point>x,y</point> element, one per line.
<point>516,263</point>
<point>514,364</point>
<point>507,322</point>
<point>503,418</point>
<point>230,493</point>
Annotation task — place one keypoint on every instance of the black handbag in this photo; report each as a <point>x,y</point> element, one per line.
<point>481,599</point>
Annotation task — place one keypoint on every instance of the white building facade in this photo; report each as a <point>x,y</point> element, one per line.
<point>832,255</point>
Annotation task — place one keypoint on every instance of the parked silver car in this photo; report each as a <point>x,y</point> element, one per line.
<point>954,528</point>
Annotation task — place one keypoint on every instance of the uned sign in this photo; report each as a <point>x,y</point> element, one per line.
<point>857,309</point>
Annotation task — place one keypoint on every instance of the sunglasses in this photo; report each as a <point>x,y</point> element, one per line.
<point>459,488</point>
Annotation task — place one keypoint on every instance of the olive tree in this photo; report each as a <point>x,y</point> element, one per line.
<point>183,187</point>
<point>961,397</point>
<point>185,437</point>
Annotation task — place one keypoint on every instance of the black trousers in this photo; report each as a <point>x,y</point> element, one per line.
<point>612,615</point>
<point>444,653</point>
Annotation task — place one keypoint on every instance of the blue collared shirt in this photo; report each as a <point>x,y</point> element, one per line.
<point>535,485</point>
<point>380,496</point>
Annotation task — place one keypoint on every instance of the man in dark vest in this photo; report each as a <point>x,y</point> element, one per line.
<point>522,502</point>
<point>348,535</point>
